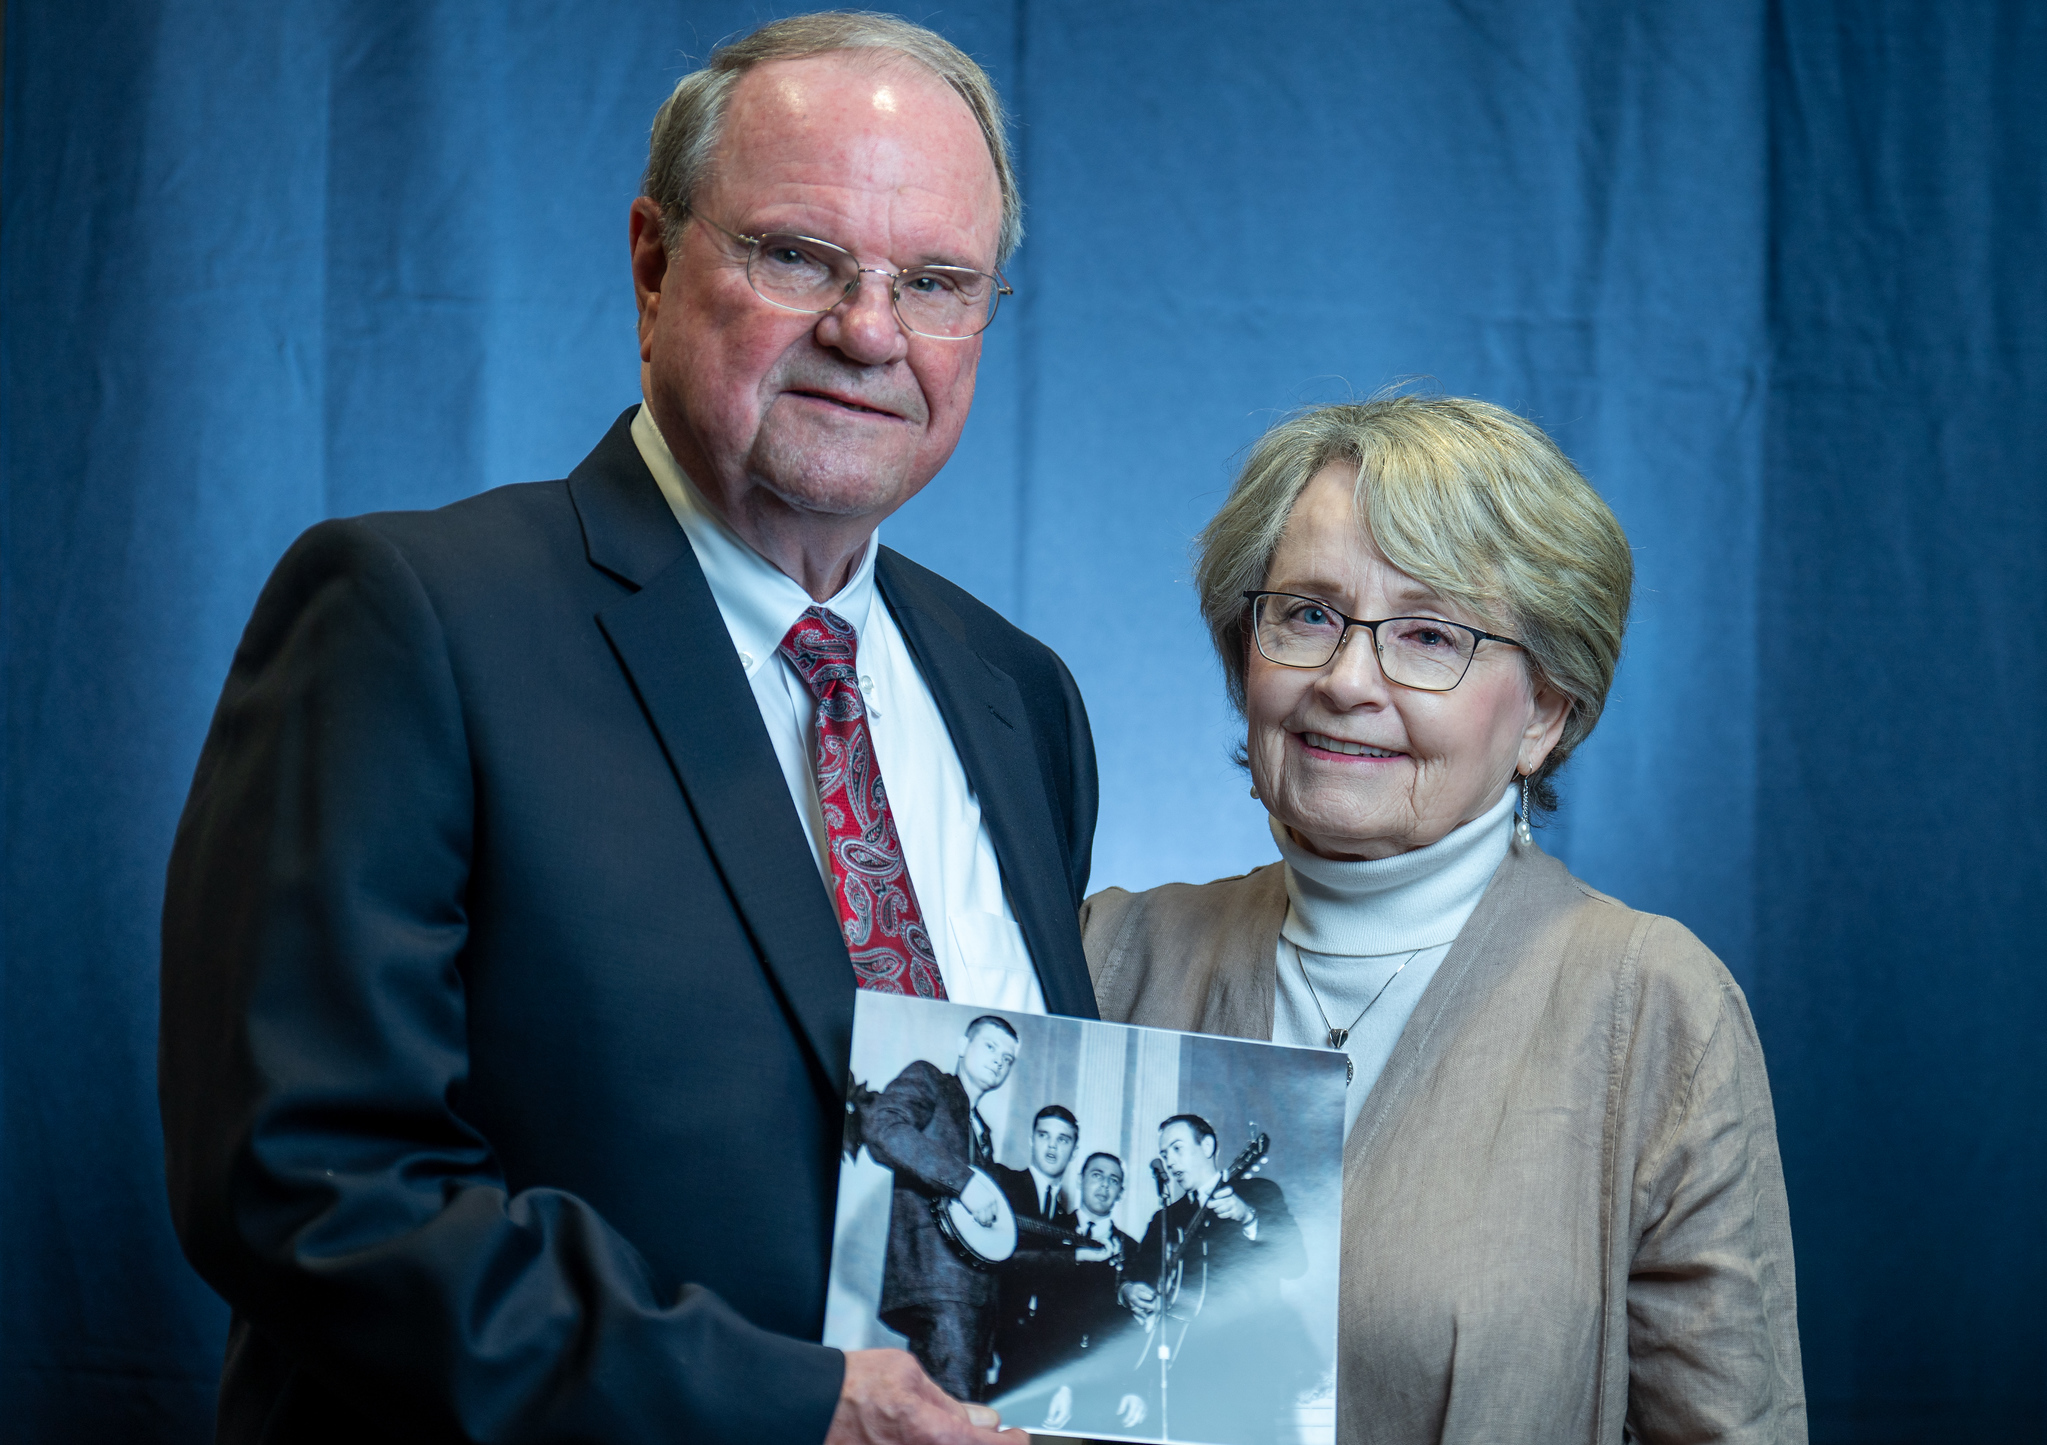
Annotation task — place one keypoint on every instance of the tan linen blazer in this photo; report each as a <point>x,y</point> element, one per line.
<point>1564,1214</point>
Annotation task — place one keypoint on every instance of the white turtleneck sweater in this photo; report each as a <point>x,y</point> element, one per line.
<point>1352,925</point>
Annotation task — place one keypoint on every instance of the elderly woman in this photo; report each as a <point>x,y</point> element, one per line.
<point>1564,1214</point>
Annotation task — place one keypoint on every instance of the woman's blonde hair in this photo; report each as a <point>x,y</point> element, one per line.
<point>1466,498</point>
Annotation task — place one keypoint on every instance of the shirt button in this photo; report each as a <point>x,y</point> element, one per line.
<point>746,661</point>
<point>866,683</point>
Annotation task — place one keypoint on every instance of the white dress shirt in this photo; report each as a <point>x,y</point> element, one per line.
<point>981,953</point>
<point>1043,1182</point>
<point>1351,925</point>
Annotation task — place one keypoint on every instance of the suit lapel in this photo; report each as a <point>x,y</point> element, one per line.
<point>672,643</point>
<point>991,733</point>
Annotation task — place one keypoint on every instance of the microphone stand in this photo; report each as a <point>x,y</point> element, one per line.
<point>1165,1187</point>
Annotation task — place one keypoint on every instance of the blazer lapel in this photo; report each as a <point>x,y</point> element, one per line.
<point>990,730</point>
<point>672,643</point>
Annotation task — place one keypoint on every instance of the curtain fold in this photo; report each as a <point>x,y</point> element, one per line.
<point>1768,269</point>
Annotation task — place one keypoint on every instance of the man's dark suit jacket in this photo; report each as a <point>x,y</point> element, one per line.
<point>505,1018</point>
<point>1076,1308</point>
<point>1019,1340</point>
<point>922,1127</point>
<point>1021,1190</point>
<point>1086,1296</point>
<point>1242,1356</point>
<point>1219,1255</point>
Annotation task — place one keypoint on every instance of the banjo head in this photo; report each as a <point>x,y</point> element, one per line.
<point>992,1243</point>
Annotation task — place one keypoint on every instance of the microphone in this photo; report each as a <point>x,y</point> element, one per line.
<point>1158,1174</point>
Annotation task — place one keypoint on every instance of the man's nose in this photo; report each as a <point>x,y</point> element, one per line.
<point>863,327</point>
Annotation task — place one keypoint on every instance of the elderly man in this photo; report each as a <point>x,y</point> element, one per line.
<point>540,843</point>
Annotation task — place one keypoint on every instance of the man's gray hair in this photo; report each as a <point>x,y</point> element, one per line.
<point>691,120</point>
<point>1464,496</point>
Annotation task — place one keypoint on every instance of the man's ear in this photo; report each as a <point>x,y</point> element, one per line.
<point>650,265</point>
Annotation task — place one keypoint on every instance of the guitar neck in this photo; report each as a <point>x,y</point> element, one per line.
<point>1042,1230</point>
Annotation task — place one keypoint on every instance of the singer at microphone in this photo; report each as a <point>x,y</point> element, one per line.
<point>1229,1245</point>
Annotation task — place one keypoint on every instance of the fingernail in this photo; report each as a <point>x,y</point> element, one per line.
<point>984,1416</point>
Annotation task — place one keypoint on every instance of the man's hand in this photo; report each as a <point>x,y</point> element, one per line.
<point>1224,1204</point>
<point>1094,1254</point>
<point>982,1199</point>
<point>1140,1299</point>
<point>887,1399</point>
<point>1060,1411</point>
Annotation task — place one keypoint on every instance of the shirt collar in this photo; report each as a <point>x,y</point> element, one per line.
<point>758,601</point>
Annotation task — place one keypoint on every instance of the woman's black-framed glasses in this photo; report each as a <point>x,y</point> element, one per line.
<point>1425,653</point>
<point>803,273</point>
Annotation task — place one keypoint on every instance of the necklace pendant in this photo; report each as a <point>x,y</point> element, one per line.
<point>1337,1038</point>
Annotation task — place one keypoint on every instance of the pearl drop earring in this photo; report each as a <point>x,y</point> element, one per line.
<point>1521,827</point>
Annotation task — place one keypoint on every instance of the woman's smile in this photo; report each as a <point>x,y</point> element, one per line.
<point>1320,743</point>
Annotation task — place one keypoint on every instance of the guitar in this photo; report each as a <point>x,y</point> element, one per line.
<point>984,1246</point>
<point>1249,1160</point>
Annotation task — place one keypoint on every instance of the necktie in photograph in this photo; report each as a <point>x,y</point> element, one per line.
<point>871,891</point>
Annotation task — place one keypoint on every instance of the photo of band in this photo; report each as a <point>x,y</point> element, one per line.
<point>1103,1231</point>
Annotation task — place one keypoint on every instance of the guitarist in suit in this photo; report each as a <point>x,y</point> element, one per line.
<point>1235,1344</point>
<point>927,1127</point>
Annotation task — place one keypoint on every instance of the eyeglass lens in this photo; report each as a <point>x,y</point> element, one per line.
<point>807,275</point>
<point>1418,652</point>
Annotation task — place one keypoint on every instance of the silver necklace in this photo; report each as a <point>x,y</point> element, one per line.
<point>1339,1037</point>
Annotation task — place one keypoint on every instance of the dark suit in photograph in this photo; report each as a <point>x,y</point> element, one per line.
<point>505,1016</point>
<point>1081,1338</point>
<point>1083,1307</point>
<point>1020,1188</point>
<point>1019,1342</point>
<point>923,1127</point>
<point>1238,1348</point>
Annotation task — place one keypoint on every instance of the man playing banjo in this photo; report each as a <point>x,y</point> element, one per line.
<point>927,1127</point>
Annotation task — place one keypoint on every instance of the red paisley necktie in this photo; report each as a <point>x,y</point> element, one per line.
<point>870,885</point>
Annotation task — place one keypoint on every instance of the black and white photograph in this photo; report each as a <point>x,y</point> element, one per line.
<point>1100,1230</point>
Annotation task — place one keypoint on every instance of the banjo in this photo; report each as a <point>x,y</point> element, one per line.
<point>984,1246</point>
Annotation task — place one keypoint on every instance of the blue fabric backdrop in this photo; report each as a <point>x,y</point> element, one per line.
<point>1770,271</point>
